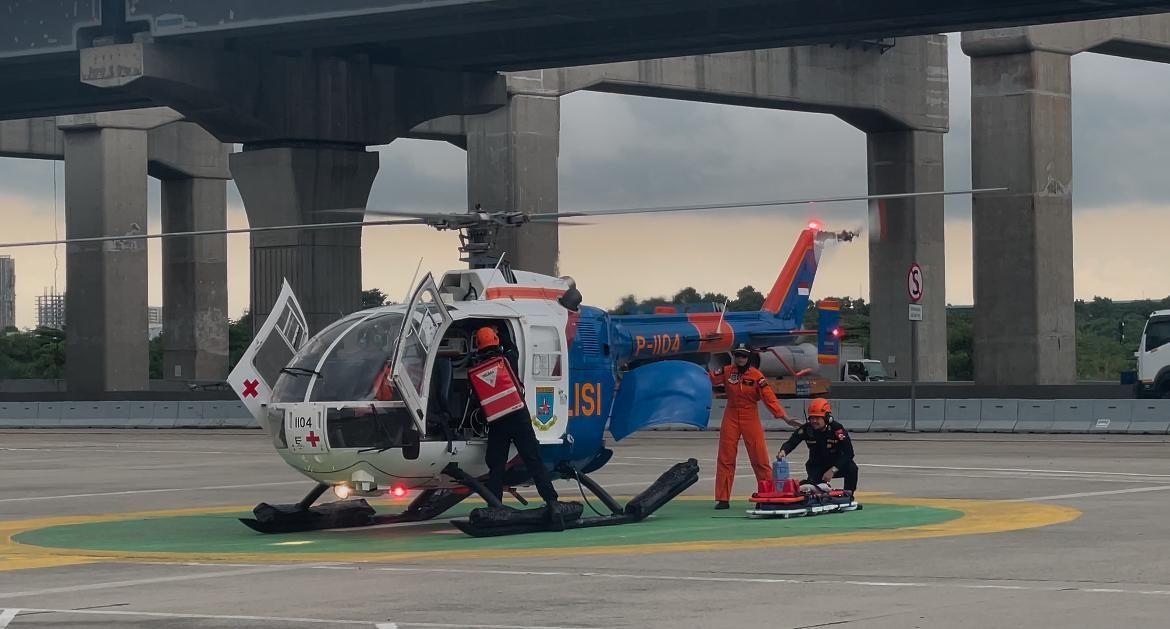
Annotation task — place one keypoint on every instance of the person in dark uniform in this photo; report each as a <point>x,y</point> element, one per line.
<point>512,426</point>
<point>830,448</point>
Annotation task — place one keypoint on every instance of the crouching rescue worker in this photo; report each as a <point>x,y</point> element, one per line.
<point>500,394</point>
<point>745,386</point>
<point>830,450</point>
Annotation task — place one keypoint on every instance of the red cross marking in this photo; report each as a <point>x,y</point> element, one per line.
<point>312,438</point>
<point>250,388</point>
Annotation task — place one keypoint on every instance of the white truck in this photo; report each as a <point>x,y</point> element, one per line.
<point>863,370</point>
<point>1153,357</point>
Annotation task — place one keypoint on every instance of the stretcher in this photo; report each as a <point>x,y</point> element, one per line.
<point>793,499</point>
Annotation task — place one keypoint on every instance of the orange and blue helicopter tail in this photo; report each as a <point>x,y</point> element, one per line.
<point>789,297</point>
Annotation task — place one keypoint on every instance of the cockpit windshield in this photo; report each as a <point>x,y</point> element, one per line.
<point>295,377</point>
<point>356,354</point>
<point>352,366</point>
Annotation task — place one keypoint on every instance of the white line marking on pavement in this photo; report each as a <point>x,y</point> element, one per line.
<point>6,616</point>
<point>771,580</point>
<point>1013,469</point>
<point>314,621</point>
<point>123,584</point>
<point>86,450</point>
<point>1090,494</point>
<point>152,491</point>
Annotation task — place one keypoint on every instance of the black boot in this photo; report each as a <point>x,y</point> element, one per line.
<point>552,512</point>
<point>722,504</point>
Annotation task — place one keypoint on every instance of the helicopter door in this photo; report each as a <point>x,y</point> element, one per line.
<point>422,331</point>
<point>547,381</point>
<point>283,333</point>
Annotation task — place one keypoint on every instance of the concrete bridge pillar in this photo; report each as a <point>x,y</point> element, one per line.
<point>512,158</point>
<point>195,300</point>
<point>901,232</point>
<point>292,186</point>
<point>193,168</point>
<point>106,303</point>
<point>1023,241</point>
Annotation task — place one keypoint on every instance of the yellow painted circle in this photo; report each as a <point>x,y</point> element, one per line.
<point>979,517</point>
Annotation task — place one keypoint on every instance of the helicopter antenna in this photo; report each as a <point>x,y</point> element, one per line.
<point>496,269</point>
<point>410,287</point>
<point>722,311</point>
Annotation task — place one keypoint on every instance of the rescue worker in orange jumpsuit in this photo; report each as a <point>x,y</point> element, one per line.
<point>509,420</point>
<point>745,386</point>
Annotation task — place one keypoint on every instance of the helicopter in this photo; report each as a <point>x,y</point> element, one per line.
<point>377,403</point>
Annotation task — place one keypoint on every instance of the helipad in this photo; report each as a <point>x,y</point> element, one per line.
<point>687,524</point>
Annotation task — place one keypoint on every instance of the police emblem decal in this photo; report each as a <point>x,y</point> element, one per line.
<point>545,404</point>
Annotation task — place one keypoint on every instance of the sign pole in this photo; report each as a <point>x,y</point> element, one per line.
<point>913,374</point>
<point>915,289</point>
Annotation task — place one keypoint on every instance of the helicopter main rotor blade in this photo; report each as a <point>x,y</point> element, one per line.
<point>749,204</point>
<point>208,232</point>
<point>552,216</point>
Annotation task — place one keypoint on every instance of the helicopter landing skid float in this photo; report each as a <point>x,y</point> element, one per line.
<point>300,517</point>
<point>500,520</point>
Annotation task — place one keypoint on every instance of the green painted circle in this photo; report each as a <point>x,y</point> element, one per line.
<point>679,521</point>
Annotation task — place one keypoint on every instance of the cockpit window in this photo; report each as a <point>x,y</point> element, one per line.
<point>351,367</point>
<point>1157,332</point>
<point>295,377</point>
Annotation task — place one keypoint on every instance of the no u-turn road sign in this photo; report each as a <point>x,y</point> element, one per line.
<point>914,284</point>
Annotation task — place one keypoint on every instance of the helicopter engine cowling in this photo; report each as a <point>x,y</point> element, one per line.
<point>799,358</point>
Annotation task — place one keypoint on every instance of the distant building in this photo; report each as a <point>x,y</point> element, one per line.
<point>51,314</point>
<point>51,310</point>
<point>7,292</point>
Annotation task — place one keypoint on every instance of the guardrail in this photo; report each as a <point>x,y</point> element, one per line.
<point>858,415</point>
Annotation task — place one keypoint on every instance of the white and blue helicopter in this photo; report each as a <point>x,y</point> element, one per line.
<point>377,403</point>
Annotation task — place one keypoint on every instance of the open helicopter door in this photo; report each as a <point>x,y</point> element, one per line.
<point>547,380</point>
<point>283,333</point>
<point>422,331</point>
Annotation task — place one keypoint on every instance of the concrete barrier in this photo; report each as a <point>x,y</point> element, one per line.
<point>1150,417</point>
<point>855,415</point>
<point>962,415</point>
<point>1072,416</point>
<point>890,416</point>
<point>1111,416</point>
<point>929,415</point>
<point>17,414</point>
<point>1035,416</point>
<point>997,415</point>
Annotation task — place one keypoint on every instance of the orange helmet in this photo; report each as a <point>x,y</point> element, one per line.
<point>819,408</point>
<point>486,337</point>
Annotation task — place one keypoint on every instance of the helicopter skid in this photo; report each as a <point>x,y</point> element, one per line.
<point>342,514</point>
<point>662,491</point>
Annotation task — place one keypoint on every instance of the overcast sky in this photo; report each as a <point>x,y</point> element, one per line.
<point>620,151</point>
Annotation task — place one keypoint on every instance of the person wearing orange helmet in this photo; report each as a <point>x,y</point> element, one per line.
<point>830,450</point>
<point>744,386</point>
<point>500,394</point>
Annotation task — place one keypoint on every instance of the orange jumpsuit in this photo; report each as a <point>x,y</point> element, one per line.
<point>744,391</point>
